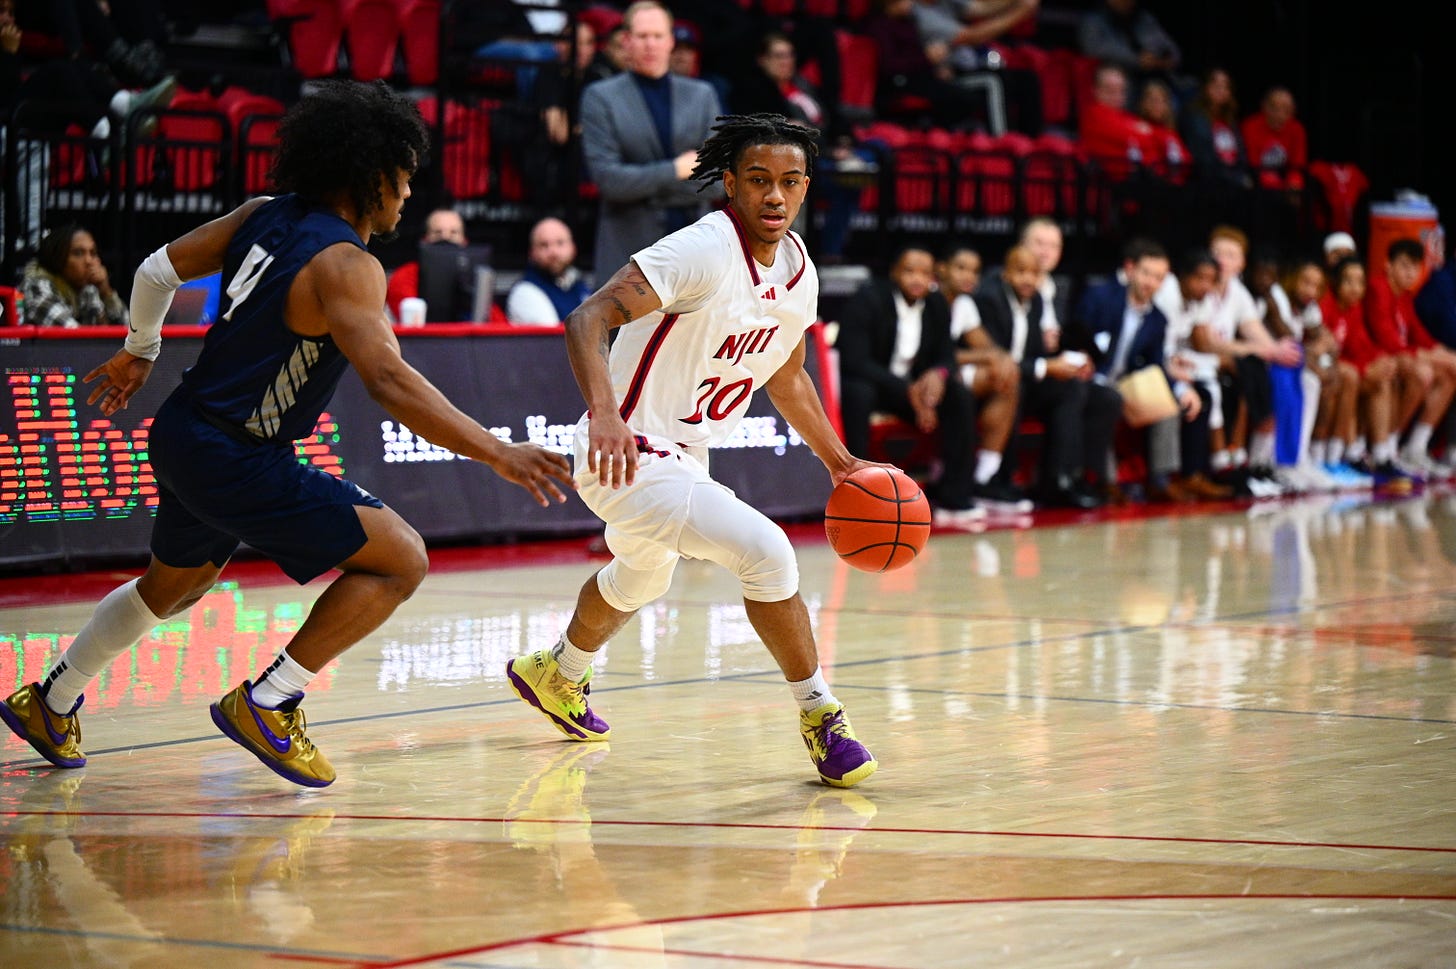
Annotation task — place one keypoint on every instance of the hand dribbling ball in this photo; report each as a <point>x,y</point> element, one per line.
<point>877,519</point>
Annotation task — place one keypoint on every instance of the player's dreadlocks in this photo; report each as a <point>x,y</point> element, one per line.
<point>342,138</point>
<point>735,132</point>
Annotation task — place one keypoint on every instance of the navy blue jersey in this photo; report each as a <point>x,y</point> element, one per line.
<point>255,374</point>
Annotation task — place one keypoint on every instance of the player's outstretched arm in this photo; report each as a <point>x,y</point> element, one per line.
<point>196,254</point>
<point>612,450</point>
<point>348,284</point>
<point>792,391</point>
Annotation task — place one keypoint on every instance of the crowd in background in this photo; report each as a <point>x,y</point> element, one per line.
<point>1288,370</point>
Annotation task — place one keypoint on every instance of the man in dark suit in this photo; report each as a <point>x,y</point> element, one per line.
<point>1078,414</point>
<point>896,356</point>
<point>639,134</point>
<point>1120,328</point>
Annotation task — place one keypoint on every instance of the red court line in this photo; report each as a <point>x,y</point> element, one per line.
<point>555,938</point>
<point>746,826</point>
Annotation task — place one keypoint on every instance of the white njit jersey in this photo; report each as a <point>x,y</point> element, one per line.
<point>685,374</point>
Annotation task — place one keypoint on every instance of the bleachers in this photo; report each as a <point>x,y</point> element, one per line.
<point>210,152</point>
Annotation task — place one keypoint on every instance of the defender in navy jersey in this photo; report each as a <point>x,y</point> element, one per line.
<point>303,301</point>
<point>707,315</point>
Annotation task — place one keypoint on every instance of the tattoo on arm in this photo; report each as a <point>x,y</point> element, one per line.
<point>621,310</point>
<point>605,348</point>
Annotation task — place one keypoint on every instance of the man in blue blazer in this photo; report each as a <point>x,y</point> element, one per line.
<point>639,134</point>
<point>1122,331</point>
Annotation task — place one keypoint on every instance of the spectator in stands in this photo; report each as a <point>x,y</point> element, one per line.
<point>1390,314</point>
<point>961,34</point>
<point>84,93</point>
<point>541,130</point>
<point>1184,300</point>
<point>1276,144</point>
<point>125,35</point>
<point>1124,33</point>
<point>1338,246</point>
<point>1043,236</point>
<point>1436,301</point>
<point>1295,389</point>
<point>685,58</point>
<point>640,132</point>
<point>1234,331</point>
<point>441,225</point>
<point>1122,330</point>
<point>989,373</point>
<point>910,69</point>
<point>550,287</point>
<point>1209,124</point>
<point>1372,449</point>
<point>1338,380</point>
<point>1123,143</point>
<point>610,58</point>
<point>1155,106</point>
<point>841,170</point>
<point>67,284</point>
<point>1055,387</point>
<point>896,356</point>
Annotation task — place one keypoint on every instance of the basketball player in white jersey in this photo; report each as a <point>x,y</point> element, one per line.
<point>708,315</point>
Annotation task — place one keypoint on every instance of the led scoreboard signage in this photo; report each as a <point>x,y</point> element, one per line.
<point>75,485</point>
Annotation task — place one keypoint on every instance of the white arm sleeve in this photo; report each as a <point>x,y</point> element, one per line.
<point>155,283</point>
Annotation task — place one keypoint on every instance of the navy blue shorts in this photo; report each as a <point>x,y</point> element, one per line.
<point>216,491</point>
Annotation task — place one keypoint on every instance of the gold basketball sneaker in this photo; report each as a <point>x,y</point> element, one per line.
<point>276,737</point>
<point>54,736</point>
<point>842,761</point>
<point>537,679</point>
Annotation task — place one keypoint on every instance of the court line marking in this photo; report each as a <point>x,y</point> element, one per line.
<point>745,826</point>
<point>556,938</point>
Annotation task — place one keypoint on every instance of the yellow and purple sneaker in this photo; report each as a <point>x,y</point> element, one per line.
<point>276,737</point>
<point>537,679</point>
<point>842,761</point>
<point>56,737</point>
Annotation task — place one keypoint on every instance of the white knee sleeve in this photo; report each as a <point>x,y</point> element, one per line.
<point>627,590</point>
<point>767,567</point>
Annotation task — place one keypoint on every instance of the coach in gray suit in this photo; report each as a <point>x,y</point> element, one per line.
<point>640,132</point>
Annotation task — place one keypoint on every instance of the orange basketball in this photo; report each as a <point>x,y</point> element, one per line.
<point>877,519</point>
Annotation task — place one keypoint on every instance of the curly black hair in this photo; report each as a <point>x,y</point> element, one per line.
<point>343,137</point>
<point>735,132</point>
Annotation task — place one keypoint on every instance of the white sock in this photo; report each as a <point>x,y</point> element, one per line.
<point>1355,453</point>
<point>1319,452</point>
<point>1221,460</point>
<point>572,661</point>
<point>987,464</point>
<point>1238,457</point>
<point>1261,449</point>
<point>102,129</point>
<point>119,621</point>
<point>283,680</point>
<point>813,692</point>
<point>1335,451</point>
<point>1419,441</point>
<point>120,103</point>
<point>1383,451</point>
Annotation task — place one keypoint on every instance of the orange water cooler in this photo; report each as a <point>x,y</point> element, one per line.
<point>1405,219</point>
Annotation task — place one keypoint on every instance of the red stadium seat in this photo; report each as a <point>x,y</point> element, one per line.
<point>193,134</point>
<point>254,118</point>
<point>466,157</point>
<point>419,31</point>
<point>858,66</point>
<point>371,37</point>
<point>314,29</point>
